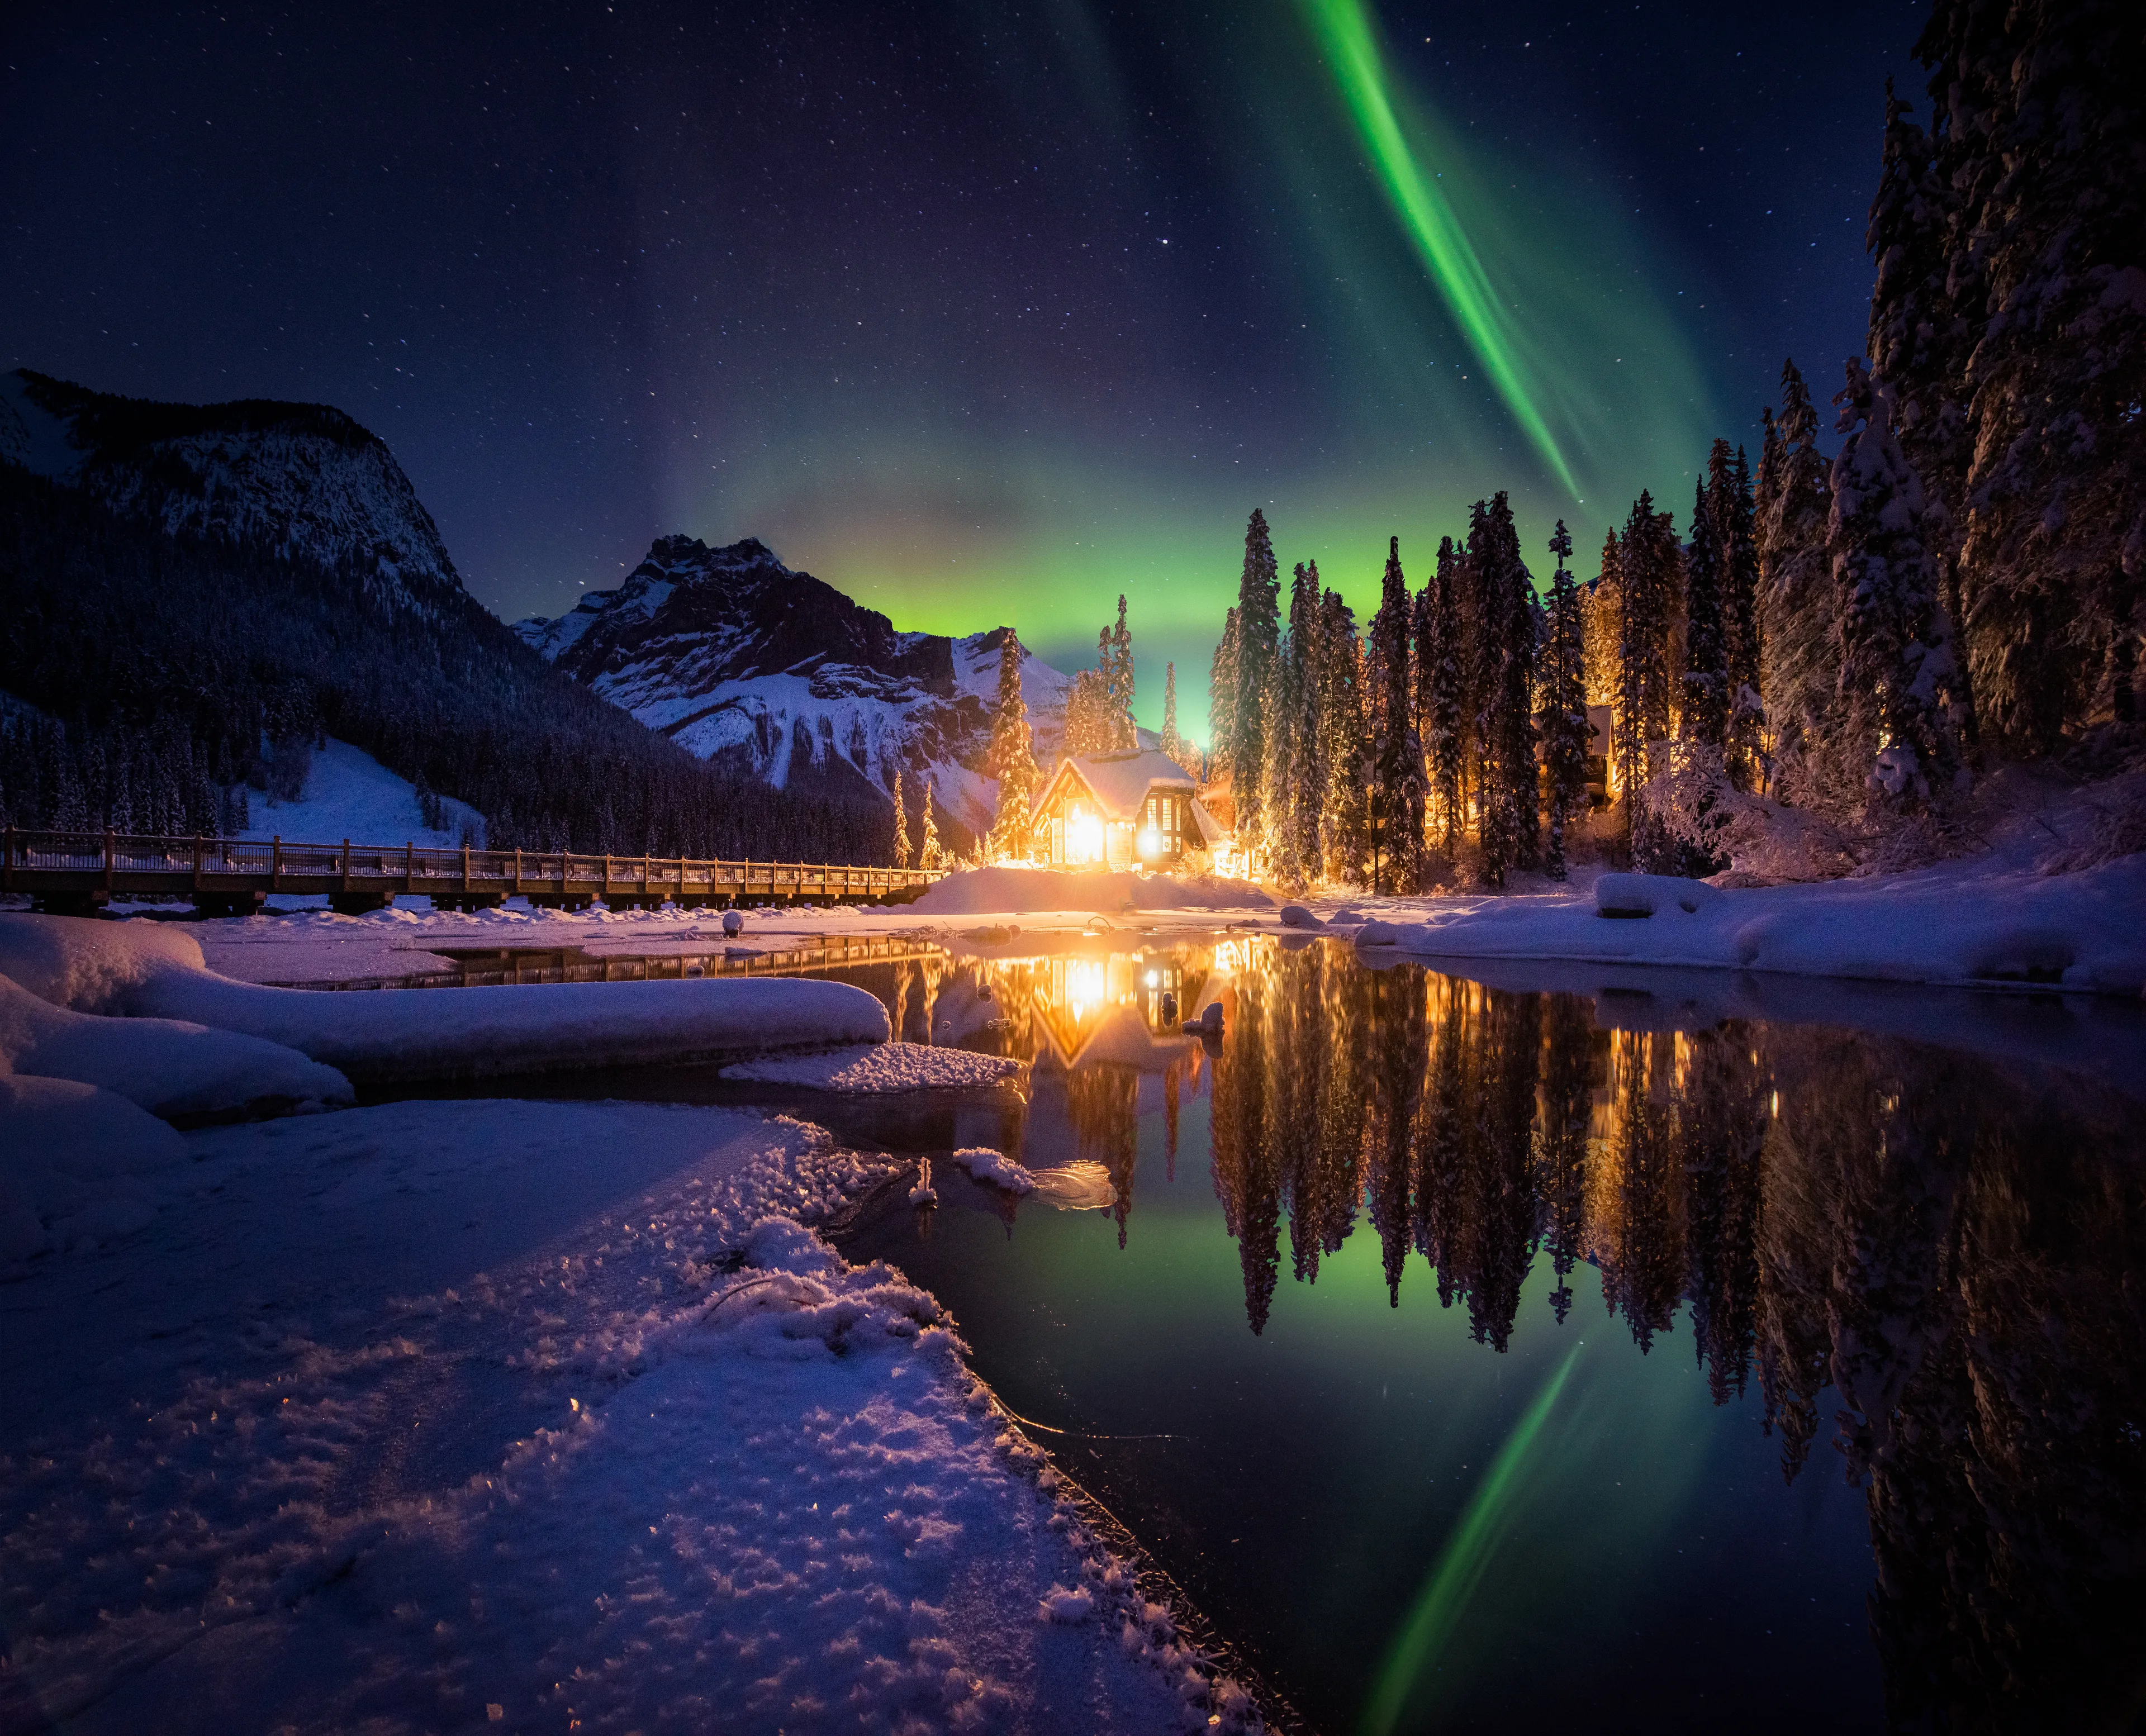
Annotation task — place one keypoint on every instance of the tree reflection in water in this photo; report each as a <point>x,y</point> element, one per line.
<point>1938,1254</point>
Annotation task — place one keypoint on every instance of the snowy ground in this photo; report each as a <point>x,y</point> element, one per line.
<point>433,1415</point>
<point>348,794</point>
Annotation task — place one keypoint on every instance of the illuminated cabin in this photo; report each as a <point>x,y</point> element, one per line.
<point>1123,810</point>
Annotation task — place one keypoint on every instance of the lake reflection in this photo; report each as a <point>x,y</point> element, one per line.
<point>1921,1264</point>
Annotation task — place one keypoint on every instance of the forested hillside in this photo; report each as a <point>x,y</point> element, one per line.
<point>157,670</point>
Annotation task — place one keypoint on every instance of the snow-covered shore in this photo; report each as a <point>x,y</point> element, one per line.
<point>393,1416</point>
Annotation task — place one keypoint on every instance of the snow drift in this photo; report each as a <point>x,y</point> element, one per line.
<point>877,1069</point>
<point>148,970</point>
<point>1959,924</point>
<point>977,891</point>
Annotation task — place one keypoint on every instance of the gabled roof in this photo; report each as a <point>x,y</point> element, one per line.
<point>1121,782</point>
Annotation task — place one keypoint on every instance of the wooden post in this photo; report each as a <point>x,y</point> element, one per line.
<point>107,859</point>
<point>345,865</point>
<point>410,868</point>
<point>465,854</point>
<point>517,868</point>
<point>8,864</point>
<point>275,862</point>
<point>198,860</point>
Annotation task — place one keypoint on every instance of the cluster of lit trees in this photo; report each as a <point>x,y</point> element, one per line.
<point>1852,635</point>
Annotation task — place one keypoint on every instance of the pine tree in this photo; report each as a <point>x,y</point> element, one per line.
<point>901,823</point>
<point>1706,697</point>
<point>1010,757</point>
<point>1259,593</point>
<point>1397,771</point>
<point>1802,661</point>
<point>1117,665</point>
<point>2041,143</point>
<point>1342,817</point>
<point>1729,496</point>
<point>1222,696</point>
<point>1647,595</point>
<point>1438,687</point>
<point>1566,735</point>
<point>931,854</point>
<point>1175,746</point>
<point>1288,750</point>
<point>1896,734</point>
<point>1090,730</point>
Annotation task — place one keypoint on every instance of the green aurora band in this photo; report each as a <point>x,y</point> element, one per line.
<point>1461,1565</point>
<point>1346,29</point>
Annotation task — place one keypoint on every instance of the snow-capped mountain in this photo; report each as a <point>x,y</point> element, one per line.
<point>730,653</point>
<point>301,481</point>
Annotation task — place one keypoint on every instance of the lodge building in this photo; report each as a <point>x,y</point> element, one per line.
<point>1123,810</point>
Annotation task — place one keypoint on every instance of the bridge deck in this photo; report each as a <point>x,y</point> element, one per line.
<point>85,868</point>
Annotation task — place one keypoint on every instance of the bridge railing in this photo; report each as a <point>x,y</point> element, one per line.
<point>91,858</point>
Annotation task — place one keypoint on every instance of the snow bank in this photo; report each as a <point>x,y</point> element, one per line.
<point>1961,923</point>
<point>874,1068</point>
<point>151,970</point>
<point>994,1167</point>
<point>178,1070</point>
<point>72,1160</point>
<point>90,964</point>
<point>979,891</point>
<point>432,1408</point>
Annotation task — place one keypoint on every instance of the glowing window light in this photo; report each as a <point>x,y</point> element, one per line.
<point>1151,842</point>
<point>1084,836</point>
<point>1154,977</point>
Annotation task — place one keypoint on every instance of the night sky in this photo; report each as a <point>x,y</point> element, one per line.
<point>980,311</point>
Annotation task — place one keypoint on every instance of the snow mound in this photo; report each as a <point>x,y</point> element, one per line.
<point>174,1070</point>
<point>90,964</point>
<point>73,1164</point>
<point>872,1069</point>
<point>976,891</point>
<point>1642,895</point>
<point>994,1167</point>
<point>1968,924</point>
<point>1295,915</point>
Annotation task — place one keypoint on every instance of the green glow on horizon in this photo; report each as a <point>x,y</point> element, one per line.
<point>1461,1565</point>
<point>1346,29</point>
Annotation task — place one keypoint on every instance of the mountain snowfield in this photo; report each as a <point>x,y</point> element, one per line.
<point>730,652</point>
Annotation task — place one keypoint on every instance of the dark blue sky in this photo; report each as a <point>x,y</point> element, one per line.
<point>980,311</point>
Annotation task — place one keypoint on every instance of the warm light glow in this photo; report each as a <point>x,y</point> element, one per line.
<point>1154,977</point>
<point>1084,839</point>
<point>1151,842</point>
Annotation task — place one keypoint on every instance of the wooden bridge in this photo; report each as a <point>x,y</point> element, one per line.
<point>78,873</point>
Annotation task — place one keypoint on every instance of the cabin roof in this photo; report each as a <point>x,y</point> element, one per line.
<point>1120,783</point>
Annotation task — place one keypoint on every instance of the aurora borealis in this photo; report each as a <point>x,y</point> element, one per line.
<point>986,312</point>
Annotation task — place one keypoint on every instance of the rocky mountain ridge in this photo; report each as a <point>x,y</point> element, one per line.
<point>737,657</point>
<point>296,482</point>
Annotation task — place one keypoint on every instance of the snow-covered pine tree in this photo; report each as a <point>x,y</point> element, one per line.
<point>1515,706</point>
<point>1895,736</point>
<point>1010,758</point>
<point>1438,688</point>
<point>1648,583</point>
<point>1089,730</point>
<point>1222,697</point>
<point>1706,699</point>
<point>2041,134</point>
<point>1602,610</point>
<point>1802,666</point>
<point>1307,784</point>
<point>1729,497</point>
<point>1565,735</point>
<point>1341,821</point>
<point>1173,746</point>
<point>930,854</point>
<point>1117,665</point>
<point>1280,771</point>
<point>901,823</point>
<point>1259,594</point>
<point>1479,625</point>
<point>1396,771</point>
